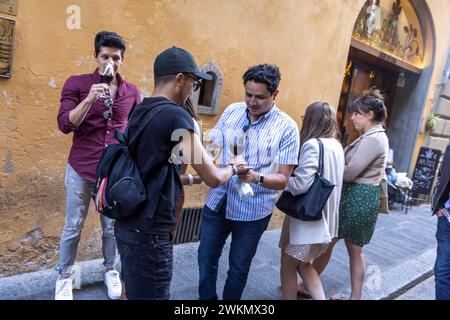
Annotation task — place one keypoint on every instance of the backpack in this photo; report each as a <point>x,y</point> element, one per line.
<point>120,190</point>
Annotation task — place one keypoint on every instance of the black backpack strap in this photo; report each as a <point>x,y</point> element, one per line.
<point>120,136</point>
<point>320,168</point>
<point>150,114</point>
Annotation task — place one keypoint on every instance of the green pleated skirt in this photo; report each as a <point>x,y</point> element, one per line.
<point>358,212</point>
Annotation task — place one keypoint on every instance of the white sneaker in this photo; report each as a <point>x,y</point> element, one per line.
<point>112,281</point>
<point>63,290</point>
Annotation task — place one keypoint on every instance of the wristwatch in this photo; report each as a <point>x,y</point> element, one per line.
<point>260,179</point>
<point>190,179</point>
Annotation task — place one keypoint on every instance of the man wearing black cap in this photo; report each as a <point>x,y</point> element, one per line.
<point>145,243</point>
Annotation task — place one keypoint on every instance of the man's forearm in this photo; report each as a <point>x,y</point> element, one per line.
<point>76,116</point>
<point>274,181</point>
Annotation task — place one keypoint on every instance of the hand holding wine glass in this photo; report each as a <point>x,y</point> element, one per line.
<point>96,92</point>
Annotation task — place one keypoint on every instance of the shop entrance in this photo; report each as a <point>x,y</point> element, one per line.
<point>360,76</point>
<point>391,49</point>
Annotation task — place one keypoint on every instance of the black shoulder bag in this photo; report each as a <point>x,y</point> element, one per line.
<point>308,206</point>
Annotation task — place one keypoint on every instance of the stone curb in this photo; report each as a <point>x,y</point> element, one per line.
<point>32,285</point>
<point>393,282</point>
<point>402,277</point>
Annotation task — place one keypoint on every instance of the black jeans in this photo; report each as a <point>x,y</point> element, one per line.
<point>147,263</point>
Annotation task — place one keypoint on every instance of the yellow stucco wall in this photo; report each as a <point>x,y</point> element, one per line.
<point>309,40</point>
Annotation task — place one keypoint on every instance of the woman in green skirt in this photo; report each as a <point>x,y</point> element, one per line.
<point>365,161</point>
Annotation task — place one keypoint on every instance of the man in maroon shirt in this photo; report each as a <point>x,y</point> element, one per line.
<point>92,107</point>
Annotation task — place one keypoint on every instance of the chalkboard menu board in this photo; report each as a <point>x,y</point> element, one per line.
<point>425,170</point>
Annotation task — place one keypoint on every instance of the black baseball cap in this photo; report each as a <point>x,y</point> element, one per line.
<point>176,60</point>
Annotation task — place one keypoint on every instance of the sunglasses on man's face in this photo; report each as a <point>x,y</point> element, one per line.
<point>197,82</point>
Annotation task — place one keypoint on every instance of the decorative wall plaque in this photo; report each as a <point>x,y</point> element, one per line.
<point>388,27</point>
<point>6,46</point>
<point>9,7</point>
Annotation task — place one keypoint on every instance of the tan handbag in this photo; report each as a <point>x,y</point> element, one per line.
<point>384,201</point>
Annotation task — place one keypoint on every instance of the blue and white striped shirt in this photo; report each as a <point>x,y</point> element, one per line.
<point>272,140</point>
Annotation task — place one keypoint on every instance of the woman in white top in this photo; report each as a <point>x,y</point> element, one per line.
<point>303,241</point>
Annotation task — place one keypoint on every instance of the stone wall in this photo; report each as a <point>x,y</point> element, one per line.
<point>440,134</point>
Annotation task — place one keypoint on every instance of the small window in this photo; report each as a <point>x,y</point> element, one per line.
<point>207,98</point>
<point>207,92</point>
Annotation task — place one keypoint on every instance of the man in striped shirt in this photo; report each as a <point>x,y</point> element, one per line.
<point>268,140</point>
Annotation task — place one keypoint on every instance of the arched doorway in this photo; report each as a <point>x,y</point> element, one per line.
<point>392,48</point>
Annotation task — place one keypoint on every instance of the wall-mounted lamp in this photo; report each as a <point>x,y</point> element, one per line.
<point>401,82</point>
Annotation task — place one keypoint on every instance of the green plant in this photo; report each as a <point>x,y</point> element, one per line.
<point>431,122</point>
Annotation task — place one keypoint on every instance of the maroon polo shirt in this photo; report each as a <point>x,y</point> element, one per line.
<point>95,132</point>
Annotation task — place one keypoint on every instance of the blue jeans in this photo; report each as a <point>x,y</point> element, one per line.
<point>245,236</point>
<point>442,265</point>
<point>147,261</point>
<point>77,207</point>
